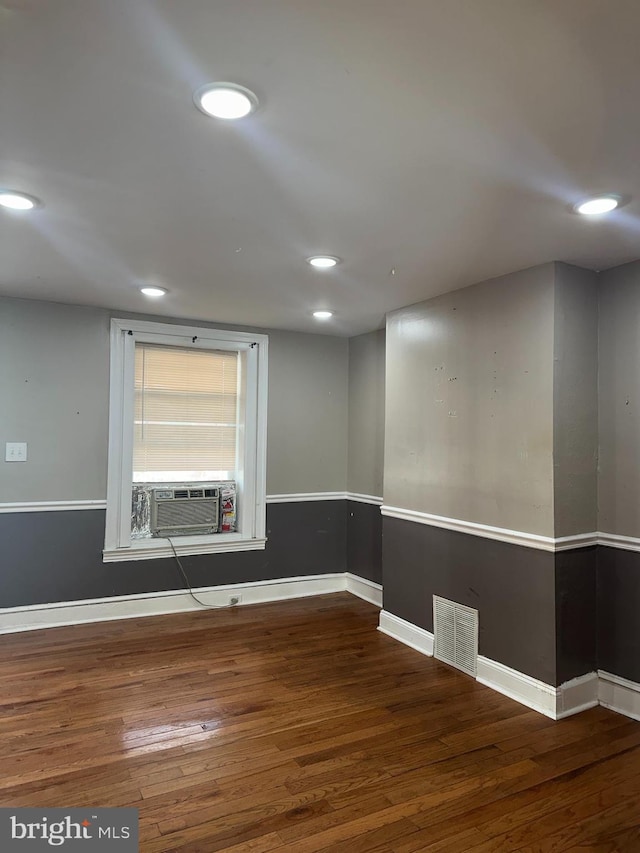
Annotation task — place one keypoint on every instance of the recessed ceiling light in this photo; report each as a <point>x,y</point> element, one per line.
<point>225,100</point>
<point>154,292</point>
<point>597,204</point>
<point>323,262</point>
<point>18,201</point>
<point>323,315</point>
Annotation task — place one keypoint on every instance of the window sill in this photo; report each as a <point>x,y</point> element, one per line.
<point>154,549</point>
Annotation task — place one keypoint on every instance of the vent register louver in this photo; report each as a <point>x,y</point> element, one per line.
<point>456,634</point>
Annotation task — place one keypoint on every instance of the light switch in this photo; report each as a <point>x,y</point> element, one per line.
<point>16,451</point>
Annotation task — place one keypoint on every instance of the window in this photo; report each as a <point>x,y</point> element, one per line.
<point>187,405</point>
<point>186,414</point>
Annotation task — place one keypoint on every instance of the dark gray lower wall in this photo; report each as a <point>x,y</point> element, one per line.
<point>512,587</point>
<point>364,540</point>
<point>575,613</point>
<point>47,557</point>
<point>552,616</point>
<point>538,611</point>
<point>618,585</point>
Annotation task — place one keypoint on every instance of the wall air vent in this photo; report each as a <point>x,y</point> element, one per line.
<point>456,634</point>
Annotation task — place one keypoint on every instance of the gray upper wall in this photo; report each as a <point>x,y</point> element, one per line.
<point>619,401</point>
<point>54,393</point>
<point>366,413</point>
<point>469,404</point>
<point>308,411</point>
<point>575,400</point>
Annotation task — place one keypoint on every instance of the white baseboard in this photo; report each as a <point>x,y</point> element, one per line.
<point>365,589</point>
<point>569,698</point>
<point>58,614</point>
<point>555,702</point>
<point>619,694</point>
<point>14,619</point>
<point>406,632</point>
<point>577,695</point>
<point>516,685</point>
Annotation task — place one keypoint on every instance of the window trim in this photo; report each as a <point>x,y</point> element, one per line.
<point>252,536</point>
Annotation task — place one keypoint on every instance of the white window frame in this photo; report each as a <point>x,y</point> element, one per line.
<point>251,535</point>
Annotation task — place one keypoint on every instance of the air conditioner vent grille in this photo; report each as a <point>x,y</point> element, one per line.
<point>185,513</point>
<point>185,510</point>
<point>456,634</point>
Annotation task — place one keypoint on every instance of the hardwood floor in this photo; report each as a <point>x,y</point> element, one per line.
<point>297,726</point>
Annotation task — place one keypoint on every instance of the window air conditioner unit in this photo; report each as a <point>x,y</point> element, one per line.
<point>185,509</point>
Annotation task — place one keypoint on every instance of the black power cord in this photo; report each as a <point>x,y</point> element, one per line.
<point>186,580</point>
<point>191,592</point>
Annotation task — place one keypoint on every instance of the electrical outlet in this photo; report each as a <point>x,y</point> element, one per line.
<point>235,599</point>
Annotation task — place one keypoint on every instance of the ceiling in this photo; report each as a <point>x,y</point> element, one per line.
<point>430,144</point>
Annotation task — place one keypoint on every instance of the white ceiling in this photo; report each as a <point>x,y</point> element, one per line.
<point>445,139</point>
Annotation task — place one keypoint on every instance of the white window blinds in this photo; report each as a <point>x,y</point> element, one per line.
<point>185,414</point>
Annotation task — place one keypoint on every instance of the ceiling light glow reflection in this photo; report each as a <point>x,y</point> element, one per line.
<point>154,292</point>
<point>225,100</point>
<point>17,201</point>
<point>597,205</point>
<point>323,262</point>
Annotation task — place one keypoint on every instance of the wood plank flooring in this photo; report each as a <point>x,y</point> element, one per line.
<point>297,726</point>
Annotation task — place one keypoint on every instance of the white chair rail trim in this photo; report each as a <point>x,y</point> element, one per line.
<point>500,534</point>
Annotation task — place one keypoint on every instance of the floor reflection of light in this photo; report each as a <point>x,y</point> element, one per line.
<point>140,740</point>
